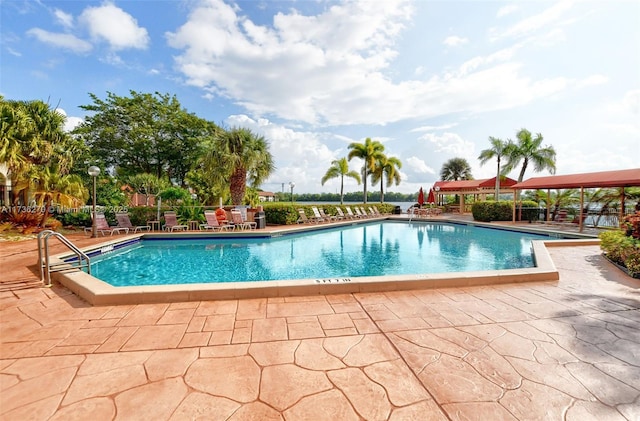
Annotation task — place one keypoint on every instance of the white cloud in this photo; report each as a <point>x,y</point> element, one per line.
<point>536,22</point>
<point>451,144</point>
<point>506,10</point>
<point>64,41</point>
<point>115,26</point>
<point>63,18</point>
<point>418,165</point>
<point>455,41</point>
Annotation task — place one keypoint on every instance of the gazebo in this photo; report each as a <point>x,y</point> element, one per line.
<point>480,188</point>
<point>612,179</point>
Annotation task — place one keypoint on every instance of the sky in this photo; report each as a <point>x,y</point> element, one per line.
<point>431,80</point>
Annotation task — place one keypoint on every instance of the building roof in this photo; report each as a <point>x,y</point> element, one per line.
<point>619,178</point>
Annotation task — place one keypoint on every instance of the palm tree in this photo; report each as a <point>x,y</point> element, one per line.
<point>238,156</point>
<point>388,166</point>
<point>340,168</point>
<point>496,150</point>
<point>456,169</point>
<point>51,186</point>
<point>529,150</point>
<point>369,151</point>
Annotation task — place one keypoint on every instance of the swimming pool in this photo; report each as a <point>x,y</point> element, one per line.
<point>384,248</point>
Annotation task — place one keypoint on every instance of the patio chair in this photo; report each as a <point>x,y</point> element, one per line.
<point>326,217</point>
<point>171,222</point>
<point>350,213</point>
<point>213,223</point>
<point>341,214</point>
<point>316,215</point>
<point>236,218</point>
<point>125,222</point>
<point>102,226</point>
<point>359,213</point>
<point>302,217</point>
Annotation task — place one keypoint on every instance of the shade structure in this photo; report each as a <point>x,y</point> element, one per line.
<point>432,197</point>
<point>421,197</point>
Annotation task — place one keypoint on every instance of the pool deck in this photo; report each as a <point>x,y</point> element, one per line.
<point>565,350</point>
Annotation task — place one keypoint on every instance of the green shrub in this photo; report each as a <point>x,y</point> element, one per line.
<point>491,210</point>
<point>622,249</point>
<point>75,219</point>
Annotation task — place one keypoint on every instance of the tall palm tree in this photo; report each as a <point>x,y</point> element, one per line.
<point>369,151</point>
<point>388,166</point>
<point>239,156</point>
<point>456,169</point>
<point>529,149</point>
<point>340,168</point>
<point>497,150</point>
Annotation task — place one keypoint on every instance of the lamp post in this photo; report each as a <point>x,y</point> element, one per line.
<point>292,185</point>
<point>94,172</point>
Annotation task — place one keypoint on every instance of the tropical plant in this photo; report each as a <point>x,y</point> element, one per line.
<point>456,169</point>
<point>238,156</point>
<point>146,184</point>
<point>497,150</point>
<point>50,186</point>
<point>32,137</point>
<point>370,152</point>
<point>529,149</point>
<point>174,195</point>
<point>340,168</point>
<point>389,167</point>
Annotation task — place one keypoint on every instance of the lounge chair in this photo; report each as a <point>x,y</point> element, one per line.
<point>213,223</point>
<point>236,218</point>
<point>359,213</point>
<point>326,217</point>
<point>125,222</point>
<point>302,217</point>
<point>317,216</point>
<point>341,214</point>
<point>102,226</point>
<point>171,222</point>
<point>350,213</point>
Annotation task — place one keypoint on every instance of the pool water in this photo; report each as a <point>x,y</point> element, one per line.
<point>372,249</point>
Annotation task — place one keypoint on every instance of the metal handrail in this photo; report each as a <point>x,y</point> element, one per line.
<point>43,255</point>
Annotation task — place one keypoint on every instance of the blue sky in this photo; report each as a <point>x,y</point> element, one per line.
<point>432,80</point>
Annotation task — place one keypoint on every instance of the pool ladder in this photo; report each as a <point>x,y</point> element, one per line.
<point>46,267</point>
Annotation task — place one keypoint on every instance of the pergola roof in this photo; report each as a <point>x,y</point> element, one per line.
<point>473,185</point>
<point>619,178</point>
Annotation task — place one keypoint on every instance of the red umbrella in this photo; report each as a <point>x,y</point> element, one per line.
<point>421,197</point>
<point>432,197</point>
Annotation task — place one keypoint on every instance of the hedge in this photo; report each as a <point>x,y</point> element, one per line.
<point>491,210</point>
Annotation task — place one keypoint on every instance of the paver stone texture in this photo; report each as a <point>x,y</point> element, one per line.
<point>566,350</point>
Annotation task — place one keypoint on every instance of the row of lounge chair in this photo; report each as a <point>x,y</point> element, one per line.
<point>319,215</point>
<point>238,222</point>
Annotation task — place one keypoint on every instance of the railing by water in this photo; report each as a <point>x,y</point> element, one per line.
<point>46,267</point>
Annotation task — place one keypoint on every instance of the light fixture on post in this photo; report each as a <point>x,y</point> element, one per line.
<point>292,185</point>
<point>94,172</point>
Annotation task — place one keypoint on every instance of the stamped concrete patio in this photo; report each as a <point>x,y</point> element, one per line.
<point>567,350</point>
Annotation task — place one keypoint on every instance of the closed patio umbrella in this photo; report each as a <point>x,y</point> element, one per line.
<point>432,197</point>
<point>421,197</point>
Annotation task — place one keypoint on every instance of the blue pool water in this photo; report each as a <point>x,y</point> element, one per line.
<point>373,249</point>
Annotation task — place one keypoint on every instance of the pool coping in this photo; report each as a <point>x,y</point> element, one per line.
<point>98,292</point>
